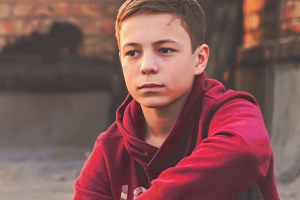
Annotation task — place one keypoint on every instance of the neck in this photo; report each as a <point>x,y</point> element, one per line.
<point>159,122</point>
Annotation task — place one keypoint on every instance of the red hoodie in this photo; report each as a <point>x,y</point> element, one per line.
<point>218,149</point>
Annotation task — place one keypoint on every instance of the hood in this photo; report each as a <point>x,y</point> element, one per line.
<point>130,124</point>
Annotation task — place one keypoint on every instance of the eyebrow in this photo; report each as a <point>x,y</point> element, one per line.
<point>159,42</point>
<point>131,44</point>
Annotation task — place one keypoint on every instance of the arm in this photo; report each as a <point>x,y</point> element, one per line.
<point>233,157</point>
<point>92,182</point>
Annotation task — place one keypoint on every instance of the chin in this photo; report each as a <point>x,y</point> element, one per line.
<point>153,103</point>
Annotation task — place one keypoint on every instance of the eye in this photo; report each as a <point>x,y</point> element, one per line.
<point>166,50</point>
<point>132,53</point>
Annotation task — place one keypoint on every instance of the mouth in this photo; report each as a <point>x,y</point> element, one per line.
<point>150,85</point>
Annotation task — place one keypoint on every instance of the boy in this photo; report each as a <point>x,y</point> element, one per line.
<point>177,135</point>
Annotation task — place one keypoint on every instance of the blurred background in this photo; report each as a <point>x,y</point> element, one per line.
<point>61,83</point>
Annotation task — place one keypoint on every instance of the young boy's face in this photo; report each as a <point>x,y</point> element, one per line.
<point>157,59</point>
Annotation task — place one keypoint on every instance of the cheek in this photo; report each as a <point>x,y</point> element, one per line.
<point>182,80</point>
<point>182,74</point>
<point>180,84</point>
<point>128,80</point>
<point>125,69</point>
<point>126,76</point>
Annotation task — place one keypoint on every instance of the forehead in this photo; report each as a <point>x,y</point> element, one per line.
<point>145,28</point>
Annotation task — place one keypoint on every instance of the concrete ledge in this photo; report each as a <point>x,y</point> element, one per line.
<point>37,73</point>
<point>270,51</point>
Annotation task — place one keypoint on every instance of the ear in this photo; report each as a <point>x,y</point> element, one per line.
<point>201,58</point>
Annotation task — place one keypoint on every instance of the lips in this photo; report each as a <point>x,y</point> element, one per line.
<point>150,88</point>
<point>150,85</point>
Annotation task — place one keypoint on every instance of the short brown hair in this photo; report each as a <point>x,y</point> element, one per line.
<point>189,11</point>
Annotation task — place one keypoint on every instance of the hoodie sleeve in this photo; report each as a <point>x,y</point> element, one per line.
<point>234,156</point>
<point>92,182</point>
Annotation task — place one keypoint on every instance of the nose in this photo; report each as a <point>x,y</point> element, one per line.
<point>148,64</point>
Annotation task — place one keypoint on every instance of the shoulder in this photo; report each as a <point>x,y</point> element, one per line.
<point>110,141</point>
<point>216,94</point>
<point>216,100</point>
<point>111,133</point>
<point>109,138</point>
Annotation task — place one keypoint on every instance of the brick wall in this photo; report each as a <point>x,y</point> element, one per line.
<point>290,16</point>
<point>252,22</point>
<point>270,19</point>
<point>95,19</point>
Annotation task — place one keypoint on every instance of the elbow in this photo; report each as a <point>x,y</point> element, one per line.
<point>257,157</point>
